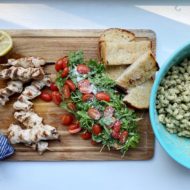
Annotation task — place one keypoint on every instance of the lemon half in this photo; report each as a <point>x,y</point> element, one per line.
<point>6,43</point>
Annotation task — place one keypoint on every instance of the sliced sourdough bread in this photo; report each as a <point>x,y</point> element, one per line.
<point>138,97</point>
<point>140,71</point>
<point>117,35</point>
<point>123,53</point>
<point>114,35</point>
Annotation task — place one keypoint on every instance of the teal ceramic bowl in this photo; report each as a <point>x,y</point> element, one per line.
<point>177,147</point>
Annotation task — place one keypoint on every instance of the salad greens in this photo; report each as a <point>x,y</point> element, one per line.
<point>101,82</point>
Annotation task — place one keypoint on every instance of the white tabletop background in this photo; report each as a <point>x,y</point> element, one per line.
<point>171,22</point>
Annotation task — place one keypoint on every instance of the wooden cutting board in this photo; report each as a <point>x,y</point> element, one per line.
<point>51,45</point>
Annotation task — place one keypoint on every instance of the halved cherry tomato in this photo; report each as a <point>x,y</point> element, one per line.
<point>117,126</point>
<point>61,63</point>
<point>56,97</point>
<point>74,128</point>
<point>83,69</point>
<point>94,113</point>
<point>84,86</point>
<point>66,91</point>
<point>67,119</point>
<point>123,137</point>
<point>58,66</point>
<point>86,97</point>
<point>71,84</point>
<point>93,142</point>
<point>71,106</point>
<point>46,96</point>
<point>86,136</point>
<point>96,129</point>
<point>65,72</point>
<point>115,134</point>
<point>103,96</point>
<point>53,87</point>
<point>109,111</point>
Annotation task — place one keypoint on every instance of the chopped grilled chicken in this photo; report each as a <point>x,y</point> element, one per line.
<point>28,118</point>
<point>22,74</point>
<point>31,136</point>
<point>26,62</point>
<point>12,88</point>
<point>22,103</point>
<point>29,93</point>
<point>42,146</point>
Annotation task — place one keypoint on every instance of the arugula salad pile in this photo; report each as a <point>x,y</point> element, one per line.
<point>90,96</point>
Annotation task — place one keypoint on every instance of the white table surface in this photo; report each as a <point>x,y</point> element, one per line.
<point>171,22</point>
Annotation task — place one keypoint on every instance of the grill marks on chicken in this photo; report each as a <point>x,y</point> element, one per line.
<point>22,74</point>
<point>35,132</point>
<point>31,92</point>
<point>12,88</point>
<point>32,136</point>
<point>28,118</point>
<point>26,62</point>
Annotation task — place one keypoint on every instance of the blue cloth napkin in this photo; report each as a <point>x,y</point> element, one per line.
<point>5,148</point>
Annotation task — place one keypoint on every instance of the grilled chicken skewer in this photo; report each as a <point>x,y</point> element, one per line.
<point>33,135</point>
<point>29,93</point>
<point>26,62</point>
<point>12,88</point>
<point>32,121</point>
<point>22,74</point>
<point>29,118</point>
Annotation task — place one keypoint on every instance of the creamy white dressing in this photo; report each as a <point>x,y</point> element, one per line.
<point>79,78</point>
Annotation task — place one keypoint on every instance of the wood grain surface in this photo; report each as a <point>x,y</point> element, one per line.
<point>51,45</point>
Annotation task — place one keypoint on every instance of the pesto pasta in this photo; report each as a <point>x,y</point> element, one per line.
<point>173,99</point>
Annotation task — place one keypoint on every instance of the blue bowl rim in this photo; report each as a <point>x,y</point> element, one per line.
<point>152,101</point>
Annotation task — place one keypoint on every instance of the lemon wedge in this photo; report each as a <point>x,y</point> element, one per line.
<point>6,43</point>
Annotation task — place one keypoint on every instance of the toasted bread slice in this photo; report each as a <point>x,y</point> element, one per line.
<point>140,71</point>
<point>115,71</point>
<point>117,35</point>
<point>138,97</point>
<point>123,53</point>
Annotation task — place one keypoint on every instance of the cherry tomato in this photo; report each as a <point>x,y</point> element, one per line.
<point>109,111</point>
<point>71,85</point>
<point>53,87</point>
<point>56,97</point>
<point>103,96</point>
<point>115,134</point>
<point>83,69</point>
<point>117,126</point>
<point>66,91</point>
<point>84,86</point>
<point>46,96</point>
<point>96,129</point>
<point>71,106</point>
<point>61,63</point>
<point>58,66</point>
<point>86,136</point>
<point>74,128</point>
<point>67,119</point>
<point>86,97</point>
<point>93,142</point>
<point>123,137</point>
<point>65,72</point>
<point>94,113</point>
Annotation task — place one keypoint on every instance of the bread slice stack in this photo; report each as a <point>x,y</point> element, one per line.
<point>131,63</point>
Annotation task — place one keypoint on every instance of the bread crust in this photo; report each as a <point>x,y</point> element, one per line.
<point>140,71</point>
<point>138,97</point>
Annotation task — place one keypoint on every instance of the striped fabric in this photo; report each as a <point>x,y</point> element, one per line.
<point>5,148</point>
